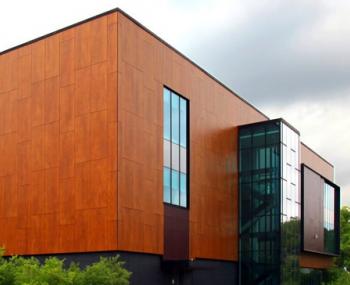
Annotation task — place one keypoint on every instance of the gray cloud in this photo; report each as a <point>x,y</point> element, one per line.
<point>280,52</point>
<point>323,125</point>
<point>291,59</point>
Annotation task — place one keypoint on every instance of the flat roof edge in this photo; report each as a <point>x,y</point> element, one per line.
<point>59,31</point>
<point>192,62</point>
<point>148,31</point>
<point>314,152</point>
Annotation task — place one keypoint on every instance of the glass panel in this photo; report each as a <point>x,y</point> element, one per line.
<point>183,190</point>
<point>183,160</point>
<point>175,119</point>
<point>175,193</point>
<point>183,122</point>
<point>272,136</point>
<point>259,136</point>
<point>166,183</point>
<point>166,155</point>
<point>245,139</point>
<point>175,156</point>
<point>309,276</point>
<point>166,113</point>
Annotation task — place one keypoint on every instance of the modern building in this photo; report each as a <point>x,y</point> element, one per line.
<point>112,141</point>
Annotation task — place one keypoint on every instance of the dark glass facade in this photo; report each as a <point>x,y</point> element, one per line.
<point>175,141</point>
<point>310,276</point>
<point>269,203</point>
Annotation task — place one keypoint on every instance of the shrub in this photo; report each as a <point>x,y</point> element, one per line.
<point>29,271</point>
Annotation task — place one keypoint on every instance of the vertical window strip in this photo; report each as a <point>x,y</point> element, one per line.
<point>175,130</point>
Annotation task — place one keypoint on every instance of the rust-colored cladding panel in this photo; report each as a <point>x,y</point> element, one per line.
<point>310,260</point>
<point>145,66</point>
<point>315,162</point>
<point>58,142</point>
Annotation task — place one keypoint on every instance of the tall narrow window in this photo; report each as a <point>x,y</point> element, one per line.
<point>175,149</point>
<point>329,218</point>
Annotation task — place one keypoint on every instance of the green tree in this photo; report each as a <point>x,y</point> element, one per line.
<point>344,259</point>
<point>29,271</point>
<point>339,273</point>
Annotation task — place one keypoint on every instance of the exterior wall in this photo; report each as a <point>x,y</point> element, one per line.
<point>310,260</point>
<point>58,119</point>
<point>145,65</point>
<point>81,134</point>
<point>315,162</point>
<point>311,159</point>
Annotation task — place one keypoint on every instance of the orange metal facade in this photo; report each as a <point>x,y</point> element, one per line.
<point>81,140</point>
<point>58,142</point>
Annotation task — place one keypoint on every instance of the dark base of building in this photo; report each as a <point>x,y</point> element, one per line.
<point>151,269</point>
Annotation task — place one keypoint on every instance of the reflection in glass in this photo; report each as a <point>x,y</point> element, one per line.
<point>183,160</point>
<point>166,153</point>
<point>259,203</point>
<point>269,204</point>
<point>183,193</point>
<point>166,182</point>
<point>175,119</point>
<point>175,193</point>
<point>175,157</point>
<point>175,148</point>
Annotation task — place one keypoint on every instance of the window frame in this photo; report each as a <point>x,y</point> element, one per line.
<point>336,213</point>
<point>187,148</point>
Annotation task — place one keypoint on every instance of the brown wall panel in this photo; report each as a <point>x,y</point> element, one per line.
<point>310,260</point>
<point>176,233</point>
<point>58,142</point>
<point>315,162</point>
<point>313,211</point>
<point>145,65</point>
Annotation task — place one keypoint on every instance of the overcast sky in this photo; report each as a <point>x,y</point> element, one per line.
<point>289,58</point>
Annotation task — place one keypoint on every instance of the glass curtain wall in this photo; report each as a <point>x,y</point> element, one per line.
<point>175,141</point>
<point>259,182</point>
<point>269,203</point>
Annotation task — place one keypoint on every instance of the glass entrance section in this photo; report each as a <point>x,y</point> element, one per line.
<point>269,223</point>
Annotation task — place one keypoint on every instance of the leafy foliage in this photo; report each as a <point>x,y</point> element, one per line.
<point>29,271</point>
<point>340,273</point>
<point>344,259</point>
